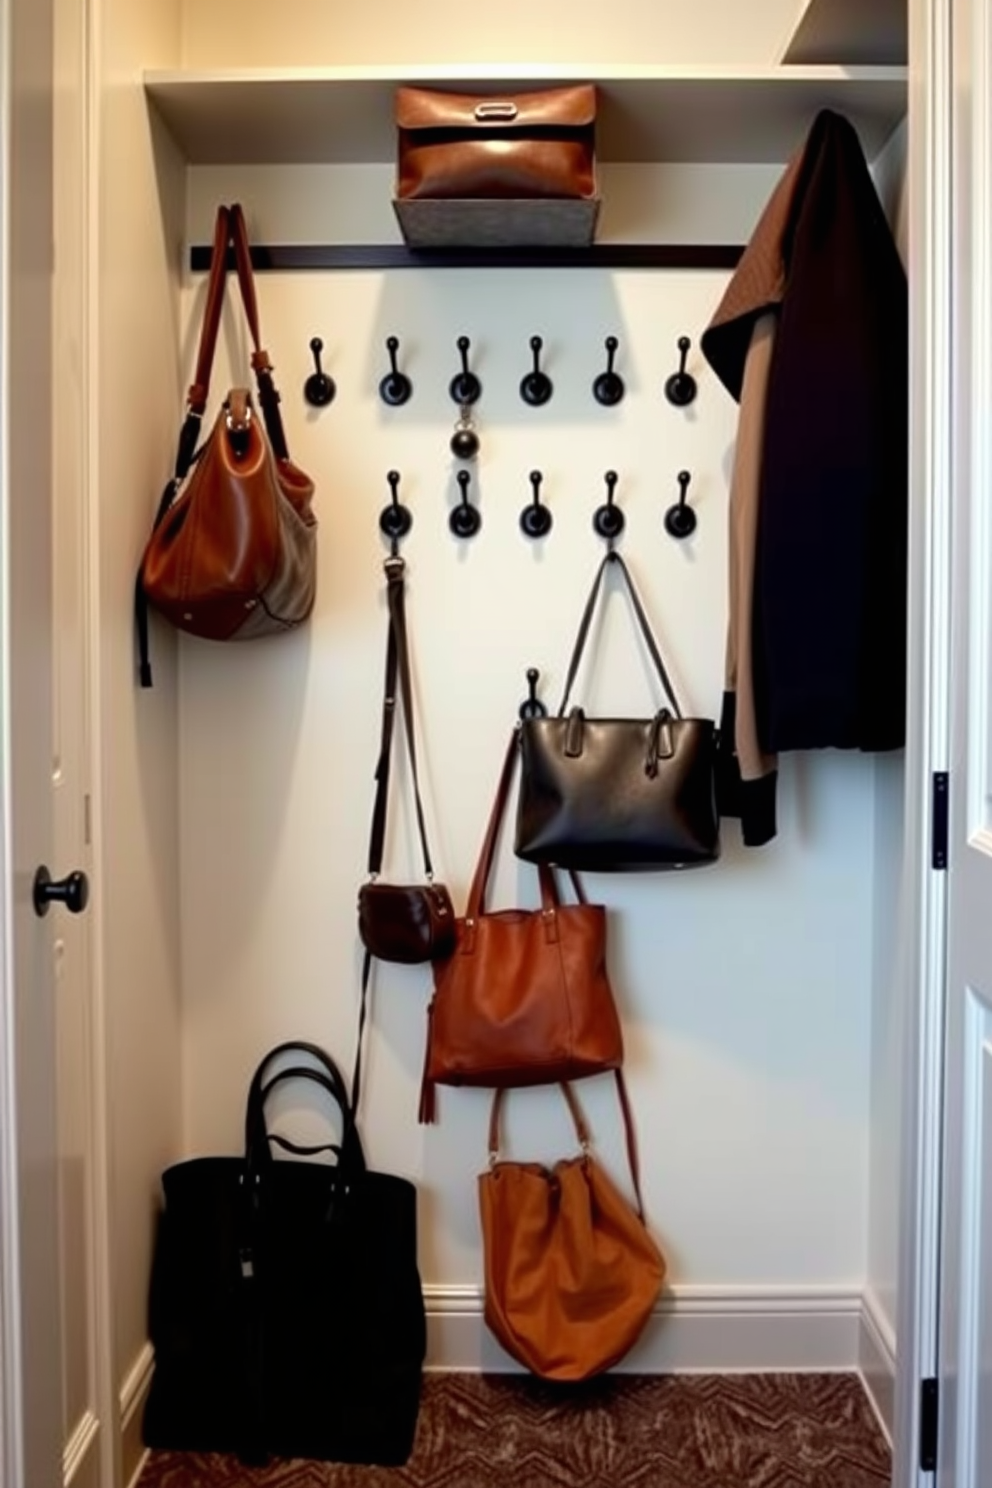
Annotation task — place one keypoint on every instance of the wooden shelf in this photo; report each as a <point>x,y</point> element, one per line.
<point>851,33</point>
<point>345,115</point>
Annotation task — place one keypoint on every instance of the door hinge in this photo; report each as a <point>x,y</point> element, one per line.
<point>929,1415</point>
<point>939,818</point>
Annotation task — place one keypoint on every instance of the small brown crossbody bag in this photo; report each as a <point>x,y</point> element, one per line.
<point>409,923</point>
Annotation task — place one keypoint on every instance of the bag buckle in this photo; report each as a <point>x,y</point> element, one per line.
<point>498,109</point>
<point>660,743</point>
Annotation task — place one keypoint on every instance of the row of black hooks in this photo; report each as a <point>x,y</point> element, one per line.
<point>536,519</point>
<point>536,387</point>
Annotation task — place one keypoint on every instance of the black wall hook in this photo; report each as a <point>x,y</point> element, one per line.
<point>536,388</point>
<point>532,707</point>
<point>318,389</point>
<point>608,388</point>
<point>395,388</point>
<point>536,519</point>
<point>680,519</point>
<point>464,442</point>
<point>395,519</point>
<point>465,519</point>
<point>680,388</point>
<point>465,387</point>
<point>609,520</point>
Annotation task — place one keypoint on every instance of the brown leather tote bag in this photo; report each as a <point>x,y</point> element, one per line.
<point>233,550</point>
<point>572,1272</point>
<point>525,998</point>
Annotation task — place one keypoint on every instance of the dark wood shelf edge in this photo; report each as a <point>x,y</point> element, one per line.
<point>396,256</point>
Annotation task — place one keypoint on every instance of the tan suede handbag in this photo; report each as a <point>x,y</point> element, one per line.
<point>572,1273</point>
<point>233,550</point>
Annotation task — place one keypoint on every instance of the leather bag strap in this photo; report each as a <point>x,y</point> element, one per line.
<point>483,868</point>
<point>397,667</point>
<point>581,1129</point>
<point>328,1077</point>
<point>613,558</point>
<point>230,231</point>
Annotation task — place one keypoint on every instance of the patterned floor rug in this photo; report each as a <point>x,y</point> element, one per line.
<point>622,1431</point>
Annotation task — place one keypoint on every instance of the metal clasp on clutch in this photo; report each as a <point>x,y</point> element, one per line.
<point>495,109</point>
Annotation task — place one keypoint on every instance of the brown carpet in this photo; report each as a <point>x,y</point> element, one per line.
<point>622,1431</point>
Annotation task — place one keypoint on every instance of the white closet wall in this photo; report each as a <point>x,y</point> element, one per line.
<point>134,306</point>
<point>758,995</point>
<point>747,989</point>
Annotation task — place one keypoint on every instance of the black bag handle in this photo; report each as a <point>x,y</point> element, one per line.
<point>613,557</point>
<point>258,1154</point>
<point>397,666</point>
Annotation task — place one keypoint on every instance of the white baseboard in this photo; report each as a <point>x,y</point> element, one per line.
<point>877,1360</point>
<point>693,1330</point>
<point>80,1456</point>
<point>134,1393</point>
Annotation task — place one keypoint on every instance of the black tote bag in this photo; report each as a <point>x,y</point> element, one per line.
<point>286,1310</point>
<point>618,794</point>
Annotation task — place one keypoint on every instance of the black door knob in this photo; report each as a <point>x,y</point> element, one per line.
<point>72,891</point>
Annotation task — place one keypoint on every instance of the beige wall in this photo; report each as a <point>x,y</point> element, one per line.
<point>245,33</point>
<point>139,391</point>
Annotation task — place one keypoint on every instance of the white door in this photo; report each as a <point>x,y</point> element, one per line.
<point>965,1437</point>
<point>30,1326</point>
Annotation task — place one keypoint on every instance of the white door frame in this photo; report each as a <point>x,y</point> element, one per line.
<point>931,165</point>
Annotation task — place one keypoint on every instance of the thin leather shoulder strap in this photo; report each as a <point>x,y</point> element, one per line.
<point>397,669</point>
<point>614,558</point>
<point>199,390</point>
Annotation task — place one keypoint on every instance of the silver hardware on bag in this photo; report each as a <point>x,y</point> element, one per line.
<point>501,109</point>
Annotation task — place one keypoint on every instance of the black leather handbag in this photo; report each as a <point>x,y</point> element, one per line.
<point>286,1311</point>
<point>618,794</point>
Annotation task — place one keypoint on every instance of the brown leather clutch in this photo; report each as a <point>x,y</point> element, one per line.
<point>513,145</point>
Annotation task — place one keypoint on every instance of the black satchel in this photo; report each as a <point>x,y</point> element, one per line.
<point>618,794</point>
<point>286,1311</point>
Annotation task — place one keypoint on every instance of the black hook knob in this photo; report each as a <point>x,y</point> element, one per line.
<point>680,388</point>
<point>680,519</point>
<point>608,387</point>
<point>608,519</point>
<point>465,519</point>
<point>72,891</point>
<point>536,387</point>
<point>395,388</point>
<point>532,707</point>
<point>536,519</point>
<point>319,388</point>
<point>465,387</point>
<point>395,519</point>
<point>464,442</point>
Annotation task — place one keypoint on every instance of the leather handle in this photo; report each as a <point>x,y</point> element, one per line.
<point>258,1154</point>
<point>230,231</point>
<point>200,388</point>
<point>582,1130</point>
<point>581,1125</point>
<point>483,868</point>
<point>327,1075</point>
<point>614,558</point>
